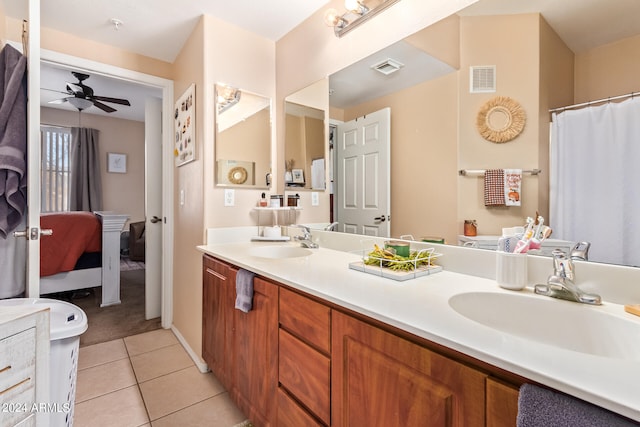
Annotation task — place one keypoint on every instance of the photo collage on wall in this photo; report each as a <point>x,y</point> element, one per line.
<point>185,138</point>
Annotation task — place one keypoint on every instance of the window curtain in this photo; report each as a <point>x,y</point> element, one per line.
<point>86,185</point>
<point>594,180</point>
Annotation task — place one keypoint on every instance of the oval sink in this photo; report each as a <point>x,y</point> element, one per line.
<point>563,324</point>
<point>277,252</point>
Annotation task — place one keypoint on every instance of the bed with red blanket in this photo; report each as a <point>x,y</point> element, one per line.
<point>83,252</point>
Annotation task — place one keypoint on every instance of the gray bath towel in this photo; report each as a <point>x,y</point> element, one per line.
<point>244,290</point>
<point>540,407</point>
<point>13,139</point>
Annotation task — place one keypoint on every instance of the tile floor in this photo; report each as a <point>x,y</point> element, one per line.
<point>148,380</point>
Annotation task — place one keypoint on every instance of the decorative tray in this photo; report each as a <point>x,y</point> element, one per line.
<point>376,262</point>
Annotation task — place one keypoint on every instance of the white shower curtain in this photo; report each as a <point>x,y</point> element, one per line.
<point>595,180</point>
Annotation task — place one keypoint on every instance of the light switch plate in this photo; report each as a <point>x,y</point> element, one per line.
<point>315,200</point>
<point>182,197</point>
<point>229,197</point>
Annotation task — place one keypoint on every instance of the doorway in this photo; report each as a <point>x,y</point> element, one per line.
<point>163,185</point>
<point>362,174</point>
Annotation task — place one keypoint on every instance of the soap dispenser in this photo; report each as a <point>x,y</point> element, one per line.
<point>263,201</point>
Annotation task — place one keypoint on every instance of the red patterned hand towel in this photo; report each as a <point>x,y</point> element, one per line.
<point>513,187</point>
<point>494,187</point>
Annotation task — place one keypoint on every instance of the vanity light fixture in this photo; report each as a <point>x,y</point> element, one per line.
<point>227,97</point>
<point>357,13</point>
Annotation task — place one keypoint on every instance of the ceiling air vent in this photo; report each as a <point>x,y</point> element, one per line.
<point>387,66</point>
<point>483,79</point>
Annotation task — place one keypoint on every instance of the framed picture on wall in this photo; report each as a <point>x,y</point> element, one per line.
<point>185,125</point>
<point>116,163</point>
<point>298,176</point>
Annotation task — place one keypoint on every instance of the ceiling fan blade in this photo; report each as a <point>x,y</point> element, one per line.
<point>103,107</point>
<point>58,101</point>
<point>75,89</point>
<point>53,90</point>
<point>113,100</point>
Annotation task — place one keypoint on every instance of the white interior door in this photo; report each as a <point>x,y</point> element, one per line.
<point>363,174</point>
<point>153,207</point>
<point>33,152</point>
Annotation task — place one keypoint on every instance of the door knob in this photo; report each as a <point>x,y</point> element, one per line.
<point>380,218</point>
<point>34,233</point>
<point>155,219</point>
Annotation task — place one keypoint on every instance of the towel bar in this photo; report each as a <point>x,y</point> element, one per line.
<point>478,172</point>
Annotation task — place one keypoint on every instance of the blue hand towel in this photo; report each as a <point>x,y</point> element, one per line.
<point>540,407</point>
<point>244,290</point>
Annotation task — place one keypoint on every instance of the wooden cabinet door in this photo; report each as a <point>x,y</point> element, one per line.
<point>256,354</point>
<point>379,379</point>
<point>502,404</point>
<point>216,323</point>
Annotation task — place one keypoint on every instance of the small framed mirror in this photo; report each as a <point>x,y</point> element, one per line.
<point>305,140</point>
<point>243,138</point>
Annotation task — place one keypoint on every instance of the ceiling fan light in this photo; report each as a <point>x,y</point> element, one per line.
<point>80,103</point>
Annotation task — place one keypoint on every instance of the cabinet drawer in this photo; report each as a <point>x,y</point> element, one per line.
<point>309,320</point>
<point>306,374</point>
<point>17,374</point>
<point>290,414</point>
<point>215,266</point>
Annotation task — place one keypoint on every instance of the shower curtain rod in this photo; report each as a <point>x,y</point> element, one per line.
<point>586,104</point>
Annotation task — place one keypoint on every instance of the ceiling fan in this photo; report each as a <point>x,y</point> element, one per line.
<point>83,96</point>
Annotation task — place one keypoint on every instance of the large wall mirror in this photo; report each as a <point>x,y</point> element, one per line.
<point>433,111</point>
<point>243,138</point>
<point>305,144</point>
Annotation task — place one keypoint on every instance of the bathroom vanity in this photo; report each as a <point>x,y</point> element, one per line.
<point>305,356</point>
<point>328,346</point>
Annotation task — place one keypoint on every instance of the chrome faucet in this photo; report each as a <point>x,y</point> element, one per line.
<point>305,239</point>
<point>332,227</point>
<point>561,283</point>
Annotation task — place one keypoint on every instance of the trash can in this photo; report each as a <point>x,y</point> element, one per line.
<point>66,323</point>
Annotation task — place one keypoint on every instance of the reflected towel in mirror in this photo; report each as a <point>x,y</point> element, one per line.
<point>512,187</point>
<point>317,174</point>
<point>494,187</point>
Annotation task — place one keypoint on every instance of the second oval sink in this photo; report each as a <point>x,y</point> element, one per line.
<point>278,252</point>
<point>563,324</point>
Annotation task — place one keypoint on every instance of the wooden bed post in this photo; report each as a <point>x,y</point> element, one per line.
<point>112,225</point>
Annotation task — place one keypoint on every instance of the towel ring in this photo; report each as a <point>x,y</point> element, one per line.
<point>500,119</point>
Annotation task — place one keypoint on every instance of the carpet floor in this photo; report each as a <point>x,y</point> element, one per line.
<point>116,321</point>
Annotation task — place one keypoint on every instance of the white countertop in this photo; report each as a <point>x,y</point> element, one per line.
<point>420,306</point>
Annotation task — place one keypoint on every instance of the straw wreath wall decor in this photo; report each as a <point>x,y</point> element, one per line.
<point>237,175</point>
<point>500,119</point>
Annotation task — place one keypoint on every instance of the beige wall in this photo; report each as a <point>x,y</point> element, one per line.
<point>122,193</point>
<point>245,60</point>
<point>59,41</point>
<point>189,218</point>
<point>484,41</point>
<point>423,156</point>
<point>248,140</point>
<point>215,52</point>
<point>608,70</point>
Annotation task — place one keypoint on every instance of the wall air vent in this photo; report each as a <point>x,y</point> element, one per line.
<point>483,79</point>
<point>387,66</point>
